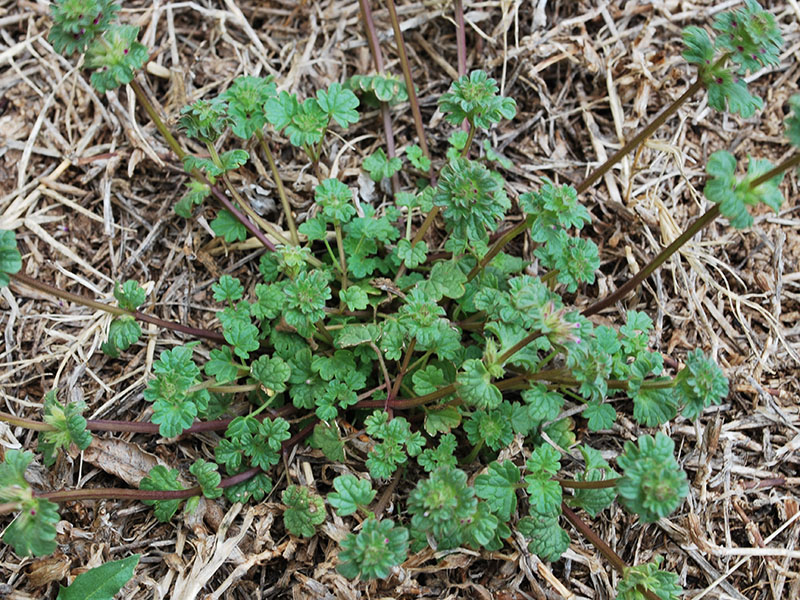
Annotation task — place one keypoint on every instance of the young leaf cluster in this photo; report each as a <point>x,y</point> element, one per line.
<point>749,39</point>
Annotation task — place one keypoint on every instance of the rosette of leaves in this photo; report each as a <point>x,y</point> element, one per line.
<point>474,200</point>
<point>734,196</point>
<point>205,120</point>
<point>700,384</point>
<point>475,97</point>
<point>553,208</point>
<point>374,551</point>
<point>116,56</point>
<point>10,258</point>
<point>574,259</point>
<point>445,512</point>
<point>77,22</point>
<point>250,443</point>
<point>69,424</point>
<point>652,484</point>
<point>749,37</point>
<point>245,100</point>
<point>33,531</point>
<point>124,330</point>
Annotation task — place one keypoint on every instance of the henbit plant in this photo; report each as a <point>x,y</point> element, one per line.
<point>442,360</point>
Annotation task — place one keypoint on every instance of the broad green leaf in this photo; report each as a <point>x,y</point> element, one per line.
<point>354,297</point>
<point>130,294</point>
<point>304,510</point>
<point>339,103</point>
<point>101,583</point>
<point>475,386</point>
<point>220,365</point>
<point>593,501</point>
<point>548,540</point>
<point>442,420</point>
<point>161,478</point>
<point>207,477</point>
<point>123,332</point>
<point>443,455</point>
<point>272,373</point>
<point>600,415</point>
<point>417,158</point>
<point>379,166</point>
<point>10,258</point>
<point>227,226</point>
<point>227,289</point>
<point>498,487</point>
<point>326,438</point>
<point>351,493</point>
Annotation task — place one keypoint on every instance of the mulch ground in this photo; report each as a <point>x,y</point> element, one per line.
<point>88,185</point>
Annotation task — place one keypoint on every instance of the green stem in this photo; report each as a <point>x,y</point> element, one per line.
<point>518,382</point>
<point>596,541</point>
<point>324,332</point>
<point>473,453</point>
<point>387,381</point>
<point>181,153</point>
<point>549,276</point>
<point>518,346</point>
<point>646,132</point>
<point>238,197</point>
<point>133,494</point>
<point>789,163</point>
<point>601,546</point>
<point>334,260</point>
<point>587,485</point>
<point>499,245</point>
<point>417,116</point>
<point>426,224</point>
<point>157,120</point>
<point>461,38</point>
<point>470,137</point>
<point>340,246</point>
<point>225,201</point>
<point>276,177</point>
<point>31,424</point>
<point>115,310</point>
<point>412,94</point>
<point>132,426</point>
<point>377,59</point>
<point>643,134</point>
<point>711,214</point>
<point>403,370</point>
